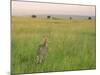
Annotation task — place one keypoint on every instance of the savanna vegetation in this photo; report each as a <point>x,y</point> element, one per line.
<point>71,44</point>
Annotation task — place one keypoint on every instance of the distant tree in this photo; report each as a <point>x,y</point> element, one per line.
<point>48,17</point>
<point>70,18</point>
<point>89,18</point>
<point>34,16</point>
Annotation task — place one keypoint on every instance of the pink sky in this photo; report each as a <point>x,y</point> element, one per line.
<point>28,8</point>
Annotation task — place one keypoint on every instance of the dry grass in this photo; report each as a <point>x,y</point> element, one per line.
<point>71,44</point>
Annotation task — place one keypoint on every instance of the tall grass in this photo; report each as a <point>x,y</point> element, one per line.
<point>71,44</point>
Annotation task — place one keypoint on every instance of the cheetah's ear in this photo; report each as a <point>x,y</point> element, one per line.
<point>46,38</point>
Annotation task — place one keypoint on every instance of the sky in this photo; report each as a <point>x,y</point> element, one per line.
<point>20,8</point>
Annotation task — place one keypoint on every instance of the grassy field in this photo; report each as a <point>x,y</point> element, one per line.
<point>71,44</point>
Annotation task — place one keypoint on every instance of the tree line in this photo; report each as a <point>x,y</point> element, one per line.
<point>51,17</point>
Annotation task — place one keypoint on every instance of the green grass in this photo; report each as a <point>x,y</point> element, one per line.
<point>71,44</point>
